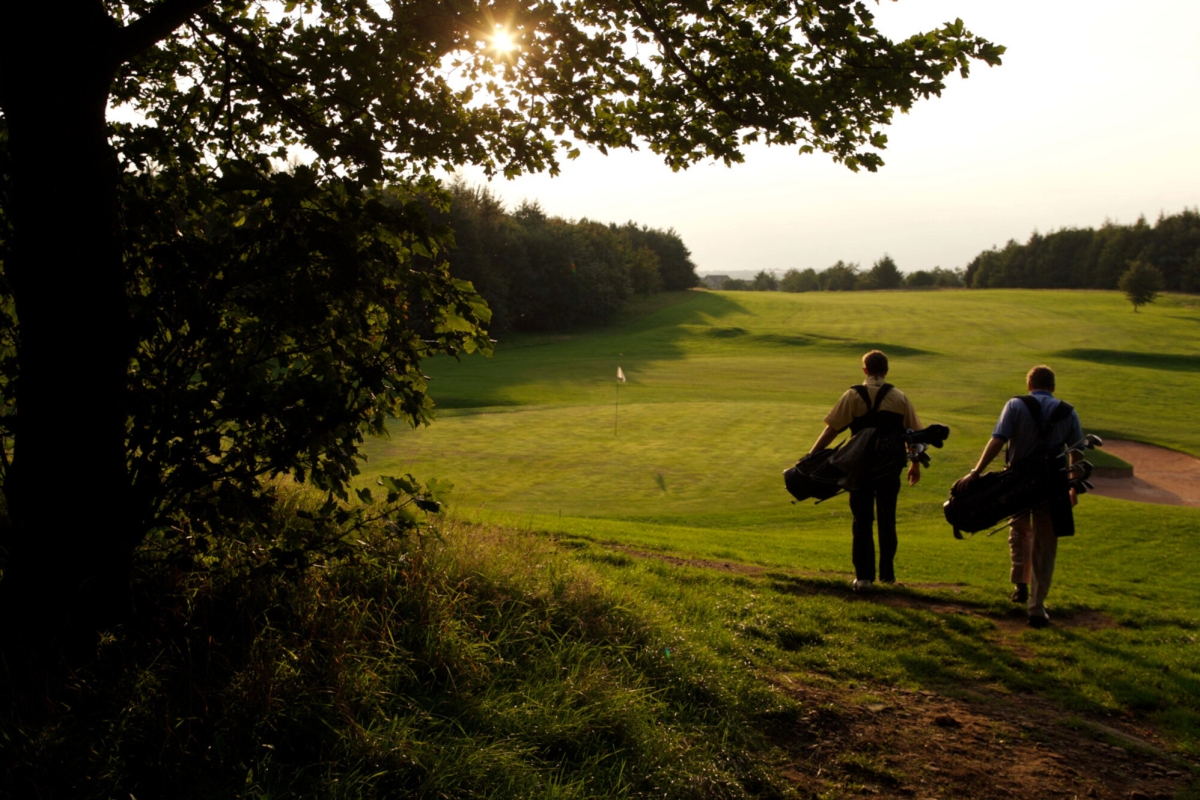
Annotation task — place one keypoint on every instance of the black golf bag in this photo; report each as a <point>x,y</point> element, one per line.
<point>813,476</point>
<point>865,456</point>
<point>997,496</point>
<point>1043,476</point>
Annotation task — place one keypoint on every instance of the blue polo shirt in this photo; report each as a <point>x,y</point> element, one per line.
<point>1017,428</point>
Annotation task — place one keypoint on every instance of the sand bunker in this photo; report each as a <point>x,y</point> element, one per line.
<point>1159,475</point>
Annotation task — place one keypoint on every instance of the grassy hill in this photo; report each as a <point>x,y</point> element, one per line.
<point>623,603</point>
<point>727,389</point>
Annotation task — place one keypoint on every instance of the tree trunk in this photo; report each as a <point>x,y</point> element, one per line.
<point>71,536</point>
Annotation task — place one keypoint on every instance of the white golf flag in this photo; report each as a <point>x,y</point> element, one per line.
<point>620,375</point>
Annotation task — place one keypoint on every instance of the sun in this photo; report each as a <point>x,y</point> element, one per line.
<point>503,42</point>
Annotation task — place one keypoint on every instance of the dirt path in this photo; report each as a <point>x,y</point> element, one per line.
<point>1159,475</point>
<point>923,744</point>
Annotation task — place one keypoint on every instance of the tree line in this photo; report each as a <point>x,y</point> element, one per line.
<point>844,277</point>
<point>1087,258</point>
<point>540,272</point>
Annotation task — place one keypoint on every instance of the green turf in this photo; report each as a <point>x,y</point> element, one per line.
<point>725,390</point>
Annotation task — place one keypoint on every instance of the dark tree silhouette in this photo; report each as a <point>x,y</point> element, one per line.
<point>363,86</point>
<point>1141,283</point>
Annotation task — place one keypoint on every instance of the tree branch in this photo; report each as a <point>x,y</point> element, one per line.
<point>144,32</point>
<point>674,57</point>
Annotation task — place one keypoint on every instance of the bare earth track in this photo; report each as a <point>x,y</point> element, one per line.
<point>880,741</point>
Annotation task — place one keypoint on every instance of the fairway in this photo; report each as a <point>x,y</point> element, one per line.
<point>727,389</point>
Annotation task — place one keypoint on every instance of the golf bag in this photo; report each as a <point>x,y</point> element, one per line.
<point>824,473</point>
<point>997,496</point>
<point>813,476</point>
<point>1043,476</point>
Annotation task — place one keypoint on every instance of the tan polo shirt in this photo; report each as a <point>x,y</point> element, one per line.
<point>851,405</point>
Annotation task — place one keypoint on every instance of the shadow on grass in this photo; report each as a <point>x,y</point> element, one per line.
<point>652,330</point>
<point>958,642</point>
<point>656,330</point>
<point>813,340</point>
<point>1170,362</point>
<point>1142,685</point>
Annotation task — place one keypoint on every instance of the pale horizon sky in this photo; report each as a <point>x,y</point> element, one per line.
<point>1094,115</point>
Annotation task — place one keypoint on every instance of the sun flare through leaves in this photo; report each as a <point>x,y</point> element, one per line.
<point>503,41</point>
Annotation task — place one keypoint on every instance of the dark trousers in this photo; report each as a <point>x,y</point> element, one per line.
<point>878,496</point>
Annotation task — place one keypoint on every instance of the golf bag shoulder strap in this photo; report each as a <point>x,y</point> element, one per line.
<point>1060,412</point>
<point>1033,407</point>
<point>863,393</point>
<point>1045,427</point>
<point>871,418</point>
<point>866,396</point>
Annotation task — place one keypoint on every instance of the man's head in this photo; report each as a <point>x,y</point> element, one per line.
<point>1040,378</point>
<point>875,364</point>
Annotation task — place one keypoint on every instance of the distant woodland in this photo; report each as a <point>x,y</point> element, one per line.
<point>1071,258</point>
<point>847,277</point>
<point>539,272</point>
<point>1085,258</point>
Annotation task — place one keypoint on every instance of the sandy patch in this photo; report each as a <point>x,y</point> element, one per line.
<point>1159,475</point>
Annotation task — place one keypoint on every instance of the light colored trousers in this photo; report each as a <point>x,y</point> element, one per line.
<point>1033,547</point>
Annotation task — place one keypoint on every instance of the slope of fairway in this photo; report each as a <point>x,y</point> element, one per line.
<point>727,389</point>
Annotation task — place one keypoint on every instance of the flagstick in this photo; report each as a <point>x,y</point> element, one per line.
<point>616,408</point>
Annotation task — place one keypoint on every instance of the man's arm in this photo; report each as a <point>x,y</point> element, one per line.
<point>828,435</point>
<point>913,423</point>
<point>993,447</point>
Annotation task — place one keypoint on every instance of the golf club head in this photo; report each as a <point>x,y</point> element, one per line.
<point>1092,441</point>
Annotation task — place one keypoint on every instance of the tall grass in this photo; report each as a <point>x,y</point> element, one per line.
<point>474,663</point>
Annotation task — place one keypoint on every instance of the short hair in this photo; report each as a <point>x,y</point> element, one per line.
<point>1041,377</point>
<point>876,363</point>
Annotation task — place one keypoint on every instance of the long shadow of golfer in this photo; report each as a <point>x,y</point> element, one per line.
<point>934,640</point>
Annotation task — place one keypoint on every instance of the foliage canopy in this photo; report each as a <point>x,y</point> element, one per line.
<point>244,323</point>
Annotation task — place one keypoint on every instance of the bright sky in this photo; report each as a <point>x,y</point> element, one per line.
<point>1094,115</point>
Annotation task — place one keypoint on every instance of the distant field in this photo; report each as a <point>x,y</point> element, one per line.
<point>725,390</point>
